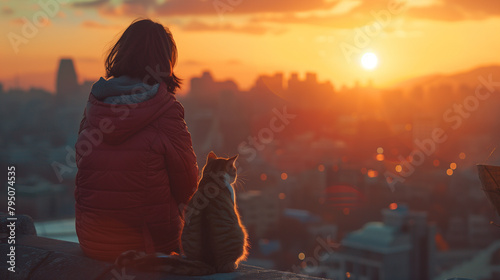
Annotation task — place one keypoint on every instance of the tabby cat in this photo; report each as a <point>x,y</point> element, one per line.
<point>213,239</point>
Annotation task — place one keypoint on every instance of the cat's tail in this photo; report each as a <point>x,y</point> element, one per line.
<point>172,264</point>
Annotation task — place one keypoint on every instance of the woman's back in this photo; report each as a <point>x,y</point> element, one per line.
<point>136,168</point>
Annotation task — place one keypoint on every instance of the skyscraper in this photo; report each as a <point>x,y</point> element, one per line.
<point>67,82</point>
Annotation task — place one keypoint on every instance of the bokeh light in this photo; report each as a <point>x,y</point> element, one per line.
<point>453,166</point>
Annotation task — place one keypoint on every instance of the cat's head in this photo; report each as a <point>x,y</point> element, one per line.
<point>219,167</point>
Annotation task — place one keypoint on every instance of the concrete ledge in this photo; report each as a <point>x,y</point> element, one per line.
<point>45,258</point>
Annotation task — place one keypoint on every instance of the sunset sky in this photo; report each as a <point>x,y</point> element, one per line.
<point>241,39</point>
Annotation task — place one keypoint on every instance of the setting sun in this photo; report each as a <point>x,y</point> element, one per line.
<point>369,61</point>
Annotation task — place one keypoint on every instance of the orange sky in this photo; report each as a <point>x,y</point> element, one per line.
<point>240,39</point>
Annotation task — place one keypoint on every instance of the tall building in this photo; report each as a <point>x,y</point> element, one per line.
<point>209,90</point>
<point>67,82</point>
<point>399,248</point>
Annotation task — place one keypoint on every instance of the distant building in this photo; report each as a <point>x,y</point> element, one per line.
<point>67,82</point>
<point>484,266</point>
<point>456,234</point>
<point>423,127</point>
<point>258,211</point>
<point>272,83</point>
<point>399,248</point>
<point>205,88</point>
<point>480,231</point>
<point>311,78</point>
<point>309,92</point>
<point>1,88</point>
<point>470,231</point>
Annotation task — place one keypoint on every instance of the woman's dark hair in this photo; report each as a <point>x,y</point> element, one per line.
<point>146,51</point>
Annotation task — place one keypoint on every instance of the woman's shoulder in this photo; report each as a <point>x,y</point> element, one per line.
<point>175,108</point>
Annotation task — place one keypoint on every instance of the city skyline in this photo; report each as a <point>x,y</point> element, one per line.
<point>432,79</point>
<point>245,39</point>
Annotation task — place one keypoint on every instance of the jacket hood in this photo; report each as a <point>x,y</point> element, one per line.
<point>123,90</point>
<point>119,121</point>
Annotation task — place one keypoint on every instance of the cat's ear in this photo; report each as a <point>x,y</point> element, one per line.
<point>211,156</point>
<point>232,160</point>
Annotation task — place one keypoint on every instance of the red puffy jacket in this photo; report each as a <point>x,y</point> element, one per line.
<point>136,168</point>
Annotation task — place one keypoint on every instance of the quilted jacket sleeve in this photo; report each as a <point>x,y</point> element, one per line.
<point>83,125</point>
<point>180,159</point>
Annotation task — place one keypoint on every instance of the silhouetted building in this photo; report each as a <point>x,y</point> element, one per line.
<point>270,83</point>
<point>400,248</point>
<point>311,78</point>
<point>204,89</point>
<point>67,82</point>
<point>309,92</point>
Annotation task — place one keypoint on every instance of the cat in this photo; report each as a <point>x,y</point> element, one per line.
<point>213,238</point>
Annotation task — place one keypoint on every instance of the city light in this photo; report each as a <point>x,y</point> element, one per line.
<point>263,176</point>
<point>302,256</point>
<point>398,168</point>
<point>453,166</point>
<point>372,173</point>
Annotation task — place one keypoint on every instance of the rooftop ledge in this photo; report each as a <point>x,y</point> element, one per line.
<point>44,258</point>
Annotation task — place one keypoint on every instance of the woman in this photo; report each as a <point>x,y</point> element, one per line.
<point>136,164</point>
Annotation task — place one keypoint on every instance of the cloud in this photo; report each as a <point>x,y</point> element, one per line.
<point>234,62</point>
<point>356,16</point>
<point>203,7</point>
<point>455,10</point>
<point>90,4</point>
<point>199,26</point>
<point>441,13</point>
<point>331,13</point>
<point>363,13</point>
<point>7,11</point>
<point>192,62</point>
<point>95,24</point>
<point>18,21</point>
<point>21,21</point>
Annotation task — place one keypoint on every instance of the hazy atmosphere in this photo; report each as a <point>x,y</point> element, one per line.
<point>358,124</point>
